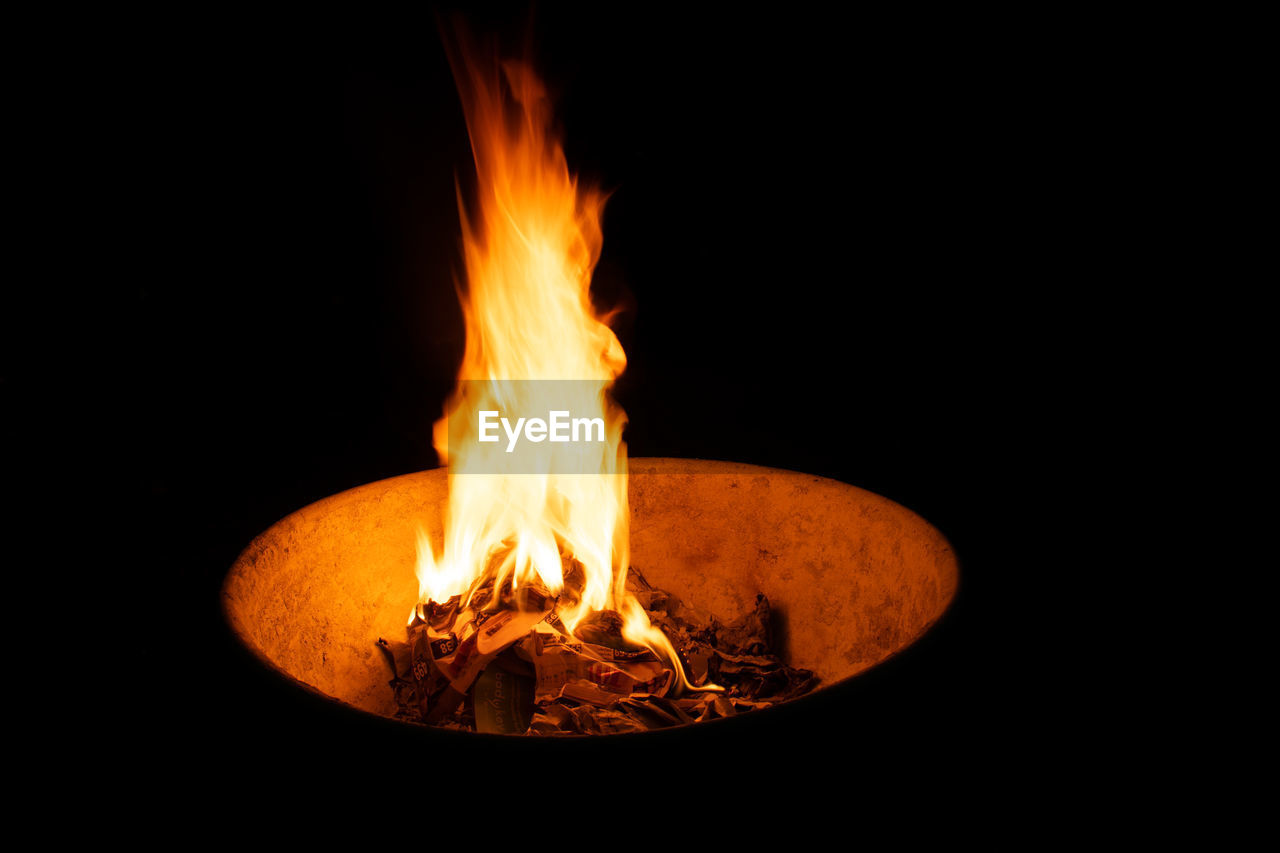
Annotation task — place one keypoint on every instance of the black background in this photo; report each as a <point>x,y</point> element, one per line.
<point>824,233</point>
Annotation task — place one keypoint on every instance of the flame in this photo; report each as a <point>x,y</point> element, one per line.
<point>530,245</point>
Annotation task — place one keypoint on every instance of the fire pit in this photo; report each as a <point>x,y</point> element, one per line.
<point>853,577</point>
<point>561,589</point>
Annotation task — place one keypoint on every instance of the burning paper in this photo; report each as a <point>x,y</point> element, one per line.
<point>551,682</point>
<point>529,617</point>
<point>539,363</point>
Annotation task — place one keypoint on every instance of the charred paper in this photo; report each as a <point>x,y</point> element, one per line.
<point>512,667</point>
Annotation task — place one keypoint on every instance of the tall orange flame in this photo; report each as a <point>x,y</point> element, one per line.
<point>530,246</point>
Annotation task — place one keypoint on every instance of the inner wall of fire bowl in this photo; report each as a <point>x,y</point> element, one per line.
<point>853,576</point>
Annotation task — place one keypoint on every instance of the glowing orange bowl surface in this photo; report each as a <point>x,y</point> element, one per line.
<point>853,577</point>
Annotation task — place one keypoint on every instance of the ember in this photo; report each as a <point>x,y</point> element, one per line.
<point>465,668</point>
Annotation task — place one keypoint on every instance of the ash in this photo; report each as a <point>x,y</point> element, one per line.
<point>505,664</point>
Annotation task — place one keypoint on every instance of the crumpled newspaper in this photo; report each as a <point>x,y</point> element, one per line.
<point>512,667</point>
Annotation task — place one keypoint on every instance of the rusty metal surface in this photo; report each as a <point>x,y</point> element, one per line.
<point>856,577</point>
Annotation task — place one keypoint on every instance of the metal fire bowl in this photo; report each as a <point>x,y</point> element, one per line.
<point>853,577</point>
